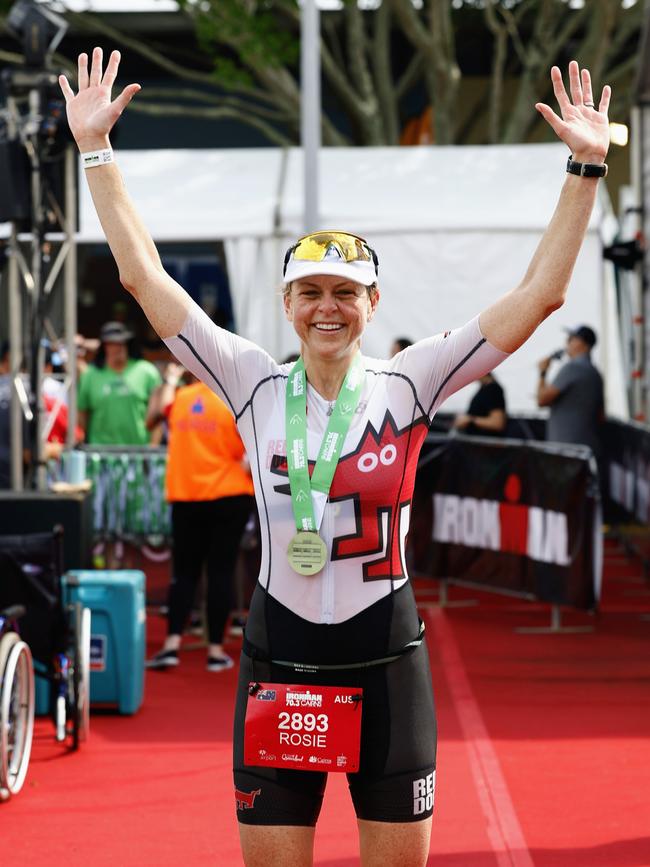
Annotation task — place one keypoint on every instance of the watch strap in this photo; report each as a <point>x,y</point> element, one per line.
<point>586,170</point>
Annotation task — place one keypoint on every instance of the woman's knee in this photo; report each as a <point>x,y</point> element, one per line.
<point>277,845</point>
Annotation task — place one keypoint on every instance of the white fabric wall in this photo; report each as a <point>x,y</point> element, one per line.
<point>429,283</point>
<point>454,228</point>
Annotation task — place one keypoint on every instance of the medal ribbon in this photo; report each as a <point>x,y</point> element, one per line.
<point>300,484</point>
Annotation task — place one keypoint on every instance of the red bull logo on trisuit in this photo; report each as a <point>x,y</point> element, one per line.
<point>424,790</point>
<point>246,800</point>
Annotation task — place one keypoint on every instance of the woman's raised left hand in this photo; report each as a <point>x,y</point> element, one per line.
<point>583,125</point>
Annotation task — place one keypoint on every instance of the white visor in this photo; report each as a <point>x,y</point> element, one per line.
<point>359,271</point>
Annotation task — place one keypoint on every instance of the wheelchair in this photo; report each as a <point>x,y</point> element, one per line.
<point>58,634</point>
<point>16,703</point>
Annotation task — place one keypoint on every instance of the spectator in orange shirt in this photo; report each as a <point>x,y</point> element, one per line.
<point>210,488</point>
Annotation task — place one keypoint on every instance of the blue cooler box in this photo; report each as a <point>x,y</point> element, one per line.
<point>42,689</point>
<point>117,633</point>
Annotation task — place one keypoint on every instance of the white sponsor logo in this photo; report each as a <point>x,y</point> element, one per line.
<point>304,699</point>
<point>299,454</point>
<point>267,757</point>
<point>341,761</point>
<point>298,384</point>
<point>317,760</point>
<point>329,446</point>
<point>480,523</point>
<point>292,757</point>
<point>424,793</point>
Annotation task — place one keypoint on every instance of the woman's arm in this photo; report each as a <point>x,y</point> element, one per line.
<point>91,116</point>
<point>585,130</point>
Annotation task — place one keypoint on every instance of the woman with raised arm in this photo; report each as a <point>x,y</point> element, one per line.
<point>334,671</point>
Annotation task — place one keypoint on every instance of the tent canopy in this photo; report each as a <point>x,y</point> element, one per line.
<point>454,228</point>
<point>196,195</point>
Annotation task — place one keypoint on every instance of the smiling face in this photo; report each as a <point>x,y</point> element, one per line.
<point>329,314</point>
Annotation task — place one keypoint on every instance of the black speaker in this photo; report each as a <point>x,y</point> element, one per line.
<point>14,182</point>
<point>41,511</point>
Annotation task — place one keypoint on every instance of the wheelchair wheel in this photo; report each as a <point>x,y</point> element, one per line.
<point>16,713</point>
<point>80,712</point>
<point>7,642</point>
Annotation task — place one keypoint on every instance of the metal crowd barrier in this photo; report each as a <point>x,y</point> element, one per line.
<point>128,492</point>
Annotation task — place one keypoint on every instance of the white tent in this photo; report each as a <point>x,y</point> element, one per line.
<point>454,227</point>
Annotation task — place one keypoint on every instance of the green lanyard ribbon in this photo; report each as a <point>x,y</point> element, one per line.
<point>300,484</point>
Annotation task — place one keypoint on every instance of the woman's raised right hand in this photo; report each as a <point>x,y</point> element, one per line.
<point>91,114</point>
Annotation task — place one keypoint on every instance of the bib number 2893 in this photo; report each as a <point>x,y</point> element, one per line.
<point>303,727</point>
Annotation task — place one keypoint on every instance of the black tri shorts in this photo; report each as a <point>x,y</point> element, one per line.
<point>396,777</point>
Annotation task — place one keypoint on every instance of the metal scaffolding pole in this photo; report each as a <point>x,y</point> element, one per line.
<point>70,287</point>
<point>639,366</point>
<point>37,350</point>
<point>36,260</point>
<point>310,109</point>
<point>15,362</point>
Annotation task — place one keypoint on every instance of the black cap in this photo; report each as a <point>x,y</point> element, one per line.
<point>115,332</point>
<point>585,333</point>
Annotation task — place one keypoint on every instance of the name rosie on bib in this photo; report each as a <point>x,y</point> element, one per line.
<point>313,725</point>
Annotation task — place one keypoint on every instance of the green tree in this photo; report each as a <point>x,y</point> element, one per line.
<point>373,62</point>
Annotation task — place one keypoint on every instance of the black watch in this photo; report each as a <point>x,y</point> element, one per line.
<point>586,170</point>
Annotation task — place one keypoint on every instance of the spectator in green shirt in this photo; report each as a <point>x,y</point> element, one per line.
<point>114,392</point>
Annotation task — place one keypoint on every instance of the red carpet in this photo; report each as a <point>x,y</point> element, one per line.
<point>543,759</point>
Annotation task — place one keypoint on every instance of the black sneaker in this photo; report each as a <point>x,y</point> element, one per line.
<point>161,661</point>
<point>237,624</point>
<point>219,663</point>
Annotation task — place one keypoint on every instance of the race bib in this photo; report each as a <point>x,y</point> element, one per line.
<point>306,728</point>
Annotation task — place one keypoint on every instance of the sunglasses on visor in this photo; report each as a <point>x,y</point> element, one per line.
<point>320,246</point>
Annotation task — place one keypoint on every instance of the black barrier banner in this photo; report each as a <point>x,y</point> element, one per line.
<point>627,465</point>
<point>514,516</point>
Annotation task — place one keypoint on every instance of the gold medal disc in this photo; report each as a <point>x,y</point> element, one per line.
<point>307,553</point>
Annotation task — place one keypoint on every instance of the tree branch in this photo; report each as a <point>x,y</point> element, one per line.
<point>94,23</point>
<point>357,60</point>
<point>214,113</point>
<point>446,71</point>
<point>180,93</point>
<point>413,28</point>
<point>329,28</point>
<point>410,75</point>
<point>386,91</point>
<point>499,57</point>
<point>542,49</point>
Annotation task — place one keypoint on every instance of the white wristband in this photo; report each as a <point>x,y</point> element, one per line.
<point>97,158</point>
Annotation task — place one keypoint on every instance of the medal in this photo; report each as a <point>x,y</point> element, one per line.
<point>307,553</point>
